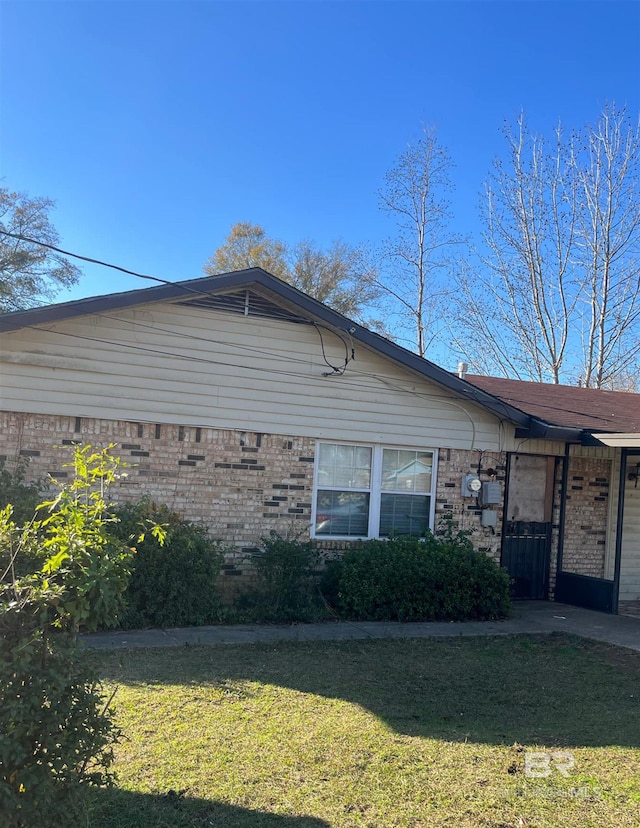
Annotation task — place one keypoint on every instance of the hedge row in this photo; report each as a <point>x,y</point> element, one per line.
<point>406,579</point>
<point>176,583</point>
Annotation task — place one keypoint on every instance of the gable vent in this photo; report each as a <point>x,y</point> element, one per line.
<point>243,303</point>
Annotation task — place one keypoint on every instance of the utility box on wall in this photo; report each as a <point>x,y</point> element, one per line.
<point>491,494</point>
<point>489,518</point>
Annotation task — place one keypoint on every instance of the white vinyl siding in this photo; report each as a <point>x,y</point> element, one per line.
<point>612,516</point>
<point>169,363</point>
<point>630,558</point>
<point>550,448</point>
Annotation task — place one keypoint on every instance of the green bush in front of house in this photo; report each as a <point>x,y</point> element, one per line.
<point>14,490</point>
<point>407,579</point>
<point>286,587</point>
<point>23,498</point>
<point>173,584</point>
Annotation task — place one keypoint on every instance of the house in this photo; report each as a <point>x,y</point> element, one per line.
<point>238,400</point>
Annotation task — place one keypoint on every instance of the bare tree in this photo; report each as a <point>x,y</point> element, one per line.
<point>516,310</point>
<point>608,248</point>
<point>414,260</point>
<point>556,292</point>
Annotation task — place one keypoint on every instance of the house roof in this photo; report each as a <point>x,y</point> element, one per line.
<point>493,397</point>
<point>570,406</point>
<point>256,278</point>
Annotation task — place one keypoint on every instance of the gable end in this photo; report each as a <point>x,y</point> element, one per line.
<point>243,303</point>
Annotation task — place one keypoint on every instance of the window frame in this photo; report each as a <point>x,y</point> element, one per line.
<point>375,490</point>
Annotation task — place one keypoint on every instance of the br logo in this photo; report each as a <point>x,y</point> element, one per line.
<point>541,764</point>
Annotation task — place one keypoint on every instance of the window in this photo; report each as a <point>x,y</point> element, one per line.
<point>373,491</point>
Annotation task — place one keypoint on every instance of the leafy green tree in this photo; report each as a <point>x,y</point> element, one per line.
<point>29,273</point>
<point>339,276</point>
<point>56,727</point>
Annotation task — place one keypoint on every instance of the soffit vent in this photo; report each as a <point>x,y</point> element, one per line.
<point>244,303</point>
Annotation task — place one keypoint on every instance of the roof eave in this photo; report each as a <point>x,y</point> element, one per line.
<point>114,301</point>
<point>258,276</point>
<point>541,430</point>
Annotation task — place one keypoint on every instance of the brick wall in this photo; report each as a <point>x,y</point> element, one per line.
<point>586,516</point>
<point>242,484</point>
<point>453,465</point>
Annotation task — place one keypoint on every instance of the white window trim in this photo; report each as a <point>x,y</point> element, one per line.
<point>375,491</point>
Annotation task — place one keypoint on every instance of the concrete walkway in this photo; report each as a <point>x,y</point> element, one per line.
<point>528,617</point>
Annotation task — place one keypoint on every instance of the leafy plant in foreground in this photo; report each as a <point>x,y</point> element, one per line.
<point>56,729</point>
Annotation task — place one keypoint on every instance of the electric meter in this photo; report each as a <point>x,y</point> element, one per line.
<point>471,485</point>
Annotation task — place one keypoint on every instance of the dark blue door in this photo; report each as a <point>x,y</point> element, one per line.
<point>525,555</point>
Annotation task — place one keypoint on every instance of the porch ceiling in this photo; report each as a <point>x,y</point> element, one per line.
<point>620,440</point>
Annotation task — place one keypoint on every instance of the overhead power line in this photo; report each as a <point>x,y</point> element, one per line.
<point>89,259</point>
<point>19,237</point>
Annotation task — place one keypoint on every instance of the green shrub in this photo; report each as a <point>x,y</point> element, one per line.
<point>56,728</point>
<point>286,589</point>
<point>173,584</point>
<point>56,736</point>
<point>23,499</point>
<point>406,579</point>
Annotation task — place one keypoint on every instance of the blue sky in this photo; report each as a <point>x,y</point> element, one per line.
<point>157,125</point>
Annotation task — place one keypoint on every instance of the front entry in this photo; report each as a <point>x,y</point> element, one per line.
<point>526,536</point>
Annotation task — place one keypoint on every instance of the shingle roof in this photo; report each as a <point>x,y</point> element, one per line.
<point>567,405</point>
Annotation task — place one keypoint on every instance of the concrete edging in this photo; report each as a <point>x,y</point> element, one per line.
<point>532,617</point>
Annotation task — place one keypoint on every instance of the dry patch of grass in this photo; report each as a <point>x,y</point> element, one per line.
<point>410,733</point>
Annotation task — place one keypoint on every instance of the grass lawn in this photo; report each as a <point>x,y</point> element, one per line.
<point>422,732</point>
